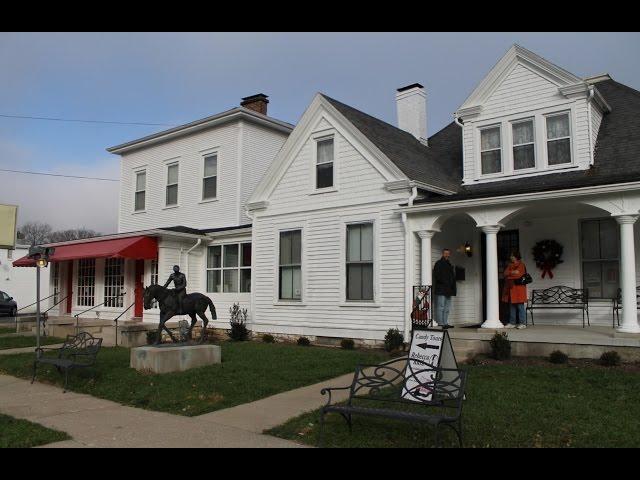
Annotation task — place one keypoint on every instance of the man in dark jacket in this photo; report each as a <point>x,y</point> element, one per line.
<point>444,287</point>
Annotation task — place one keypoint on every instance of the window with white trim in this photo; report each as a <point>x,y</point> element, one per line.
<point>360,261</point>
<point>56,281</point>
<point>113,282</point>
<point>229,268</point>
<point>141,190</point>
<point>173,173</point>
<point>490,150</point>
<point>600,241</point>
<point>86,282</point>
<point>324,162</point>
<point>290,265</point>
<point>210,178</point>
<point>524,152</point>
<point>558,139</point>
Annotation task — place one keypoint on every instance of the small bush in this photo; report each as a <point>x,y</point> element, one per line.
<point>304,342</point>
<point>393,340</point>
<point>347,344</point>
<point>267,338</point>
<point>152,336</point>
<point>558,357</point>
<point>500,346</point>
<point>238,319</point>
<point>610,359</point>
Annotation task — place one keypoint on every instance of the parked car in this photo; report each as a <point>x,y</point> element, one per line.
<point>8,305</point>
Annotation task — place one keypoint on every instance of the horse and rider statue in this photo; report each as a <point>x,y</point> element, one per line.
<point>176,301</point>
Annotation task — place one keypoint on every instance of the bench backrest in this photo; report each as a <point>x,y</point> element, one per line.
<point>560,295</point>
<point>618,298</point>
<point>83,344</point>
<point>386,382</point>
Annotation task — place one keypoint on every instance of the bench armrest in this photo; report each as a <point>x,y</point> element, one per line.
<point>328,391</point>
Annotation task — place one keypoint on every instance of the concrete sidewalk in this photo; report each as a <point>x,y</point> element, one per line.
<point>13,351</point>
<point>94,422</point>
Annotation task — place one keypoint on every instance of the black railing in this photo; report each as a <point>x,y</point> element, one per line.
<point>118,318</point>
<point>77,315</point>
<point>32,304</point>
<point>44,314</point>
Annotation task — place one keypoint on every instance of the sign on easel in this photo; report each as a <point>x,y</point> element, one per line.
<point>431,346</point>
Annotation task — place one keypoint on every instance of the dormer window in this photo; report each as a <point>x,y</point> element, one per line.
<point>491,150</point>
<point>558,139</point>
<point>324,163</point>
<point>524,154</point>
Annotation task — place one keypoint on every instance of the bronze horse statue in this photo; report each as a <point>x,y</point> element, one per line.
<point>192,305</point>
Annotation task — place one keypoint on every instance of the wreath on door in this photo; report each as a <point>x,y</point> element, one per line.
<point>547,255</point>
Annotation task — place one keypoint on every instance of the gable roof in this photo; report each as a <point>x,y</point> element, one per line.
<point>438,164</point>
<point>616,159</point>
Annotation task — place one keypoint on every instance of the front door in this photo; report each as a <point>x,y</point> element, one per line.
<point>507,240</point>
<point>139,288</point>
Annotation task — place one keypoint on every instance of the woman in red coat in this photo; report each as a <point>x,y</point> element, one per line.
<point>515,295</point>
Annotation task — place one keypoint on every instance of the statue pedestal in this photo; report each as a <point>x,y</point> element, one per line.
<point>174,358</point>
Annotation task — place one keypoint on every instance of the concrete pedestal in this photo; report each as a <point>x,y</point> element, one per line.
<point>174,358</point>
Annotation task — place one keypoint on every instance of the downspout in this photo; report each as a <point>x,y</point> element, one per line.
<point>457,120</point>
<point>591,156</point>
<point>189,251</point>
<point>251,217</point>
<point>407,265</point>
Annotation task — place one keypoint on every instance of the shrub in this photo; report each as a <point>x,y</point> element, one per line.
<point>347,344</point>
<point>152,336</point>
<point>610,359</point>
<point>500,346</point>
<point>558,357</point>
<point>238,319</point>
<point>267,338</point>
<point>304,342</point>
<point>393,340</point>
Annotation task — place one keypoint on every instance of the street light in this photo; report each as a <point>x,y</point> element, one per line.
<point>41,256</point>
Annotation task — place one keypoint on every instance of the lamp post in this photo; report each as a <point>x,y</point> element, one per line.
<point>41,256</point>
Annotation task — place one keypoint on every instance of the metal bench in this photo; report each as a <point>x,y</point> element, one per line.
<point>560,296</point>
<point>379,390</point>
<point>77,351</point>
<point>617,305</point>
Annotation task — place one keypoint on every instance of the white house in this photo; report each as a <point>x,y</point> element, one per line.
<point>20,283</point>
<point>324,228</point>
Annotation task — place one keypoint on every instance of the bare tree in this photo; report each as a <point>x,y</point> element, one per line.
<point>72,234</point>
<point>35,233</point>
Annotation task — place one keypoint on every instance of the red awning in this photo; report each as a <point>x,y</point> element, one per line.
<point>140,248</point>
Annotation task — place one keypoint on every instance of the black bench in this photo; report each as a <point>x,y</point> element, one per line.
<point>617,305</point>
<point>560,296</point>
<point>377,389</point>
<point>77,351</point>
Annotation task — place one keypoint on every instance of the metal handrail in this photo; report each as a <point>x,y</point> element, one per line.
<point>77,315</point>
<point>32,304</point>
<point>118,317</point>
<point>58,303</point>
<point>44,314</point>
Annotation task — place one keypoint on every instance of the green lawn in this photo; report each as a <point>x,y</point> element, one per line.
<point>250,371</point>
<point>4,330</point>
<point>510,406</point>
<point>15,433</point>
<point>23,342</point>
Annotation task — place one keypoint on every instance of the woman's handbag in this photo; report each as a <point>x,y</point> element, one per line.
<point>524,279</point>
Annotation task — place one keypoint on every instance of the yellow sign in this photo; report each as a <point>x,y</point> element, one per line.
<point>8,219</point>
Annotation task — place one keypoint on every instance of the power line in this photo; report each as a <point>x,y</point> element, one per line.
<point>60,175</point>
<point>26,117</point>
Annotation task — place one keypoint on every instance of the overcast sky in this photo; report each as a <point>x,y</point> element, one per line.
<point>175,78</point>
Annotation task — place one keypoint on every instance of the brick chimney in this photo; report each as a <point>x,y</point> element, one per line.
<point>257,103</point>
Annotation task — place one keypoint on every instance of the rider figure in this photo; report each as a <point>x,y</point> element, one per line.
<point>180,283</point>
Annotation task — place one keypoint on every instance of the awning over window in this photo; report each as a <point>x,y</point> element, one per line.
<point>140,248</point>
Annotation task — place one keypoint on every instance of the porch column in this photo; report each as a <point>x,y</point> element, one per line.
<point>425,255</point>
<point>491,259</point>
<point>628,274</point>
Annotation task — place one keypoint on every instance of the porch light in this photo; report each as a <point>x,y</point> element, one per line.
<point>467,249</point>
<point>41,262</point>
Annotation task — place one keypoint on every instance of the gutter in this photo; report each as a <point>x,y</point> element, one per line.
<point>591,94</point>
<point>407,264</point>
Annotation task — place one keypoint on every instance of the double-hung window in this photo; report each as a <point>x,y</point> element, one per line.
<point>600,241</point>
<point>173,173</point>
<point>558,139</point>
<point>360,261</point>
<point>141,190</point>
<point>290,265</point>
<point>229,268</point>
<point>324,163</point>
<point>490,150</point>
<point>210,179</point>
<point>524,154</point>
<point>86,282</point>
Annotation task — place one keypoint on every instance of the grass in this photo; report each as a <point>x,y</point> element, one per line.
<point>4,330</point>
<point>23,342</point>
<point>250,371</point>
<point>16,433</point>
<point>509,406</point>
